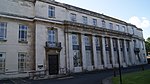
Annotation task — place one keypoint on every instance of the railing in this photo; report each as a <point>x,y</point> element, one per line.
<point>55,45</point>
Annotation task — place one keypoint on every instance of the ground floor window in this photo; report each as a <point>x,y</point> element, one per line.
<point>88,58</point>
<point>77,58</point>
<point>99,59</point>
<point>22,61</point>
<point>2,62</point>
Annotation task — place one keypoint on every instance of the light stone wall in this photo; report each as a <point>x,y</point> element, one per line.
<point>17,7</point>
<point>11,46</point>
<point>41,38</point>
<point>41,10</point>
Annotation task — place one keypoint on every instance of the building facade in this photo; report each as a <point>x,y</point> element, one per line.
<point>58,38</point>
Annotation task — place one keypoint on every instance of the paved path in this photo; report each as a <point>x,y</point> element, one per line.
<point>82,78</point>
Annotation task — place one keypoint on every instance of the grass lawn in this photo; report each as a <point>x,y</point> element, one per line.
<point>141,77</point>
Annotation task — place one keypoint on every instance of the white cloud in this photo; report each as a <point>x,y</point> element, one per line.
<point>142,22</point>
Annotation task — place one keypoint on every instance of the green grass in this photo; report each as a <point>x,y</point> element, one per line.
<point>142,77</point>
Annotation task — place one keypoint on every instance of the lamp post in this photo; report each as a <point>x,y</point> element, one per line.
<point>120,74</point>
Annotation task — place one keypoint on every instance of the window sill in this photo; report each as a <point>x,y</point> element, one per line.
<point>23,42</point>
<point>3,40</point>
<point>51,17</point>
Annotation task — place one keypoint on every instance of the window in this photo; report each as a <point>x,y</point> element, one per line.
<point>87,41</point>
<point>97,41</point>
<point>52,37</point>
<point>22,61</point>
<point>76,58</point>
<point>111,25</point>
<point>73,17</point>
<point>103,24</point>
<point>123,28</point>
<point>75,39</point>
<point>88,58</point>
<point>2,62</point>
<point>3,27</point>
<point>117,27</point>
<point>85,21</point>
<point>23,33</point>
<point>95,22</point>
<point>51,11</point>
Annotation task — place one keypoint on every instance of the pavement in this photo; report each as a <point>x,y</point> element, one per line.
<point>94,77</point>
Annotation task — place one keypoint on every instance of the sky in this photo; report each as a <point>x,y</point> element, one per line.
<point>136,12</point>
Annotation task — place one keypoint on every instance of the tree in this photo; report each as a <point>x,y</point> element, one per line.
<point>147,45</point>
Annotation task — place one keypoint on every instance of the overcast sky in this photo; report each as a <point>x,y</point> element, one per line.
<point>136,12</point>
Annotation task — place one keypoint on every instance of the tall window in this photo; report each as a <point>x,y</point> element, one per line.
<point>22,61</point>
<point>23,32</point>
<point>123,28</point>
<point>87,41</point>
<point>73,17</point>
<point>97,41</point>
<point>75,39</point>
<point>52,37</point>
<point>111,25</point>
<point>103,24</point>
<point>2,62</point>
<point>3,27</point>
<point>95,22</point>
<point>51,11</point>
<point>117,27</point>
<point>76,50</point>
<point>85,21</point>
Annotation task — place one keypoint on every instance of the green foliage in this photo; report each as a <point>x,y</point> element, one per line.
<point>147,45</point>
<point>142,77</point>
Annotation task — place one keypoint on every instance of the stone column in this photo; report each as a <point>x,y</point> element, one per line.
<point>94,52</point>
<point>71,64</point>
<point>104,51</point>
<point>112,52</point>
<point>132,52</point>
<point>125,52</point>
<point>83,52</point>
<point>119,52</point>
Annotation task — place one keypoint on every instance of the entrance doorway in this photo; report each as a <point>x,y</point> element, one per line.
<point>53,64</point>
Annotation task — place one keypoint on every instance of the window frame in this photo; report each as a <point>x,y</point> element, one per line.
<point>85,20</point>
<point>94,22</point>
<point>73,17</point>
<point>4,28</point>
<point>111,25</point>
<point>117,27</point>
<point>51,11</point>
<point>23,29</point>
<point>2,62</point>
<point>22,60</point>
<point>103,24</point>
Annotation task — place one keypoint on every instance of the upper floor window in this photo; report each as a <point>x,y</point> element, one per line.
<point>2,62</point>
<point>52,37</point>
<point>73,17</point>
<point>51,11</point>
<point>95,22</point>
<point>22,61</point>
<point>103,24</point>
<point>75,39</point>
<point>87,41</point>
<point>123,28</point>
<point>97,41</point>
<point>23,32</point>
<point>85,21</point>
<point>117,27</point>
<point>111,25</point>
<point>3,30</point>
<point>106,42</point>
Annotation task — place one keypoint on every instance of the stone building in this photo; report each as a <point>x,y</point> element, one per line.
<point>58,38</point>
